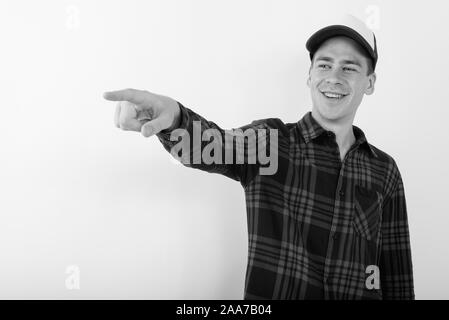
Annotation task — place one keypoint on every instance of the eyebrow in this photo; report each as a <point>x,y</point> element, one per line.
<point>329,59</point>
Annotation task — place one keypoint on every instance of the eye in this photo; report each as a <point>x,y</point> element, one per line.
<point>349,69</point>
<point>324,66</point>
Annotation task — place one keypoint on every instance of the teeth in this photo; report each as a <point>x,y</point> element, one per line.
<point>333,95</point>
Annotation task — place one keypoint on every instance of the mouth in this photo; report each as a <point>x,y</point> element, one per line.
<point>333,95</point>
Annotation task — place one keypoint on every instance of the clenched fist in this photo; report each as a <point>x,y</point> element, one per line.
<point>143,111</point>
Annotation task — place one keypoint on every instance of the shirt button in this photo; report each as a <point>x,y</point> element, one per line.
<point>341,193</point>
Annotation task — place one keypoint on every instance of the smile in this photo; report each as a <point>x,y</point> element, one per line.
<point>333,95</point>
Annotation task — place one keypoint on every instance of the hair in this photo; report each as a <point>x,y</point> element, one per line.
<point>369,63</point>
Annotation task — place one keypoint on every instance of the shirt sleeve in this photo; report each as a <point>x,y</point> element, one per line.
<point>396,270</point>
<point>233,152</point>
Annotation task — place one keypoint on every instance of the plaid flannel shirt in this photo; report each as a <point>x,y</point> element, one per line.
<point>317,225</point>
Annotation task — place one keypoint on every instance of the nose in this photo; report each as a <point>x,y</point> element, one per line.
<point>334,77</point>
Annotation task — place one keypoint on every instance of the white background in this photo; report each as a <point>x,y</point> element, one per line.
<point>77,191</point>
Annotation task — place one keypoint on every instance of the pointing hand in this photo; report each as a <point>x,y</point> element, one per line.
<point>143,111</point>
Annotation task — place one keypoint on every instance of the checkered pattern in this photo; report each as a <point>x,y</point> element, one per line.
<point>317,224</point>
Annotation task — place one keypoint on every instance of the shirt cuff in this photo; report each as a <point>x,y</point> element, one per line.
<point>164,135</point>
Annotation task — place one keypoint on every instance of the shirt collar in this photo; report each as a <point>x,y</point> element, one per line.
<point>311,129</point>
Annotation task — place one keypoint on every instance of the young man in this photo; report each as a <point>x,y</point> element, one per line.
<point>331,221</point>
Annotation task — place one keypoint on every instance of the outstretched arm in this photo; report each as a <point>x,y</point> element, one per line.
<point>236,153</point>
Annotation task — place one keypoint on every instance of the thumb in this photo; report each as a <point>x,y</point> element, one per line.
<point>154,126</point>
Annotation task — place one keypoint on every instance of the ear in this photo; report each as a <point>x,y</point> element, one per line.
<point>371,81</point>
<point>308,78</point>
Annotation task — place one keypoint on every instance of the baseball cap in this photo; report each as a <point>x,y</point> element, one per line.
<point>350,27</point>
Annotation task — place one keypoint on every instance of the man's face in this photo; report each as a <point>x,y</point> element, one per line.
<point>338,79</point>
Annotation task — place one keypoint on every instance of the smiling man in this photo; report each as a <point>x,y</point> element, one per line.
<point>341,73</point>
<point>331,222</point>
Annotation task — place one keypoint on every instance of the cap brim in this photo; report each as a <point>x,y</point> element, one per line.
<point>322,35</point>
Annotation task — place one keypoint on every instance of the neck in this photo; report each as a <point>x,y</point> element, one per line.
<point>342,128</point>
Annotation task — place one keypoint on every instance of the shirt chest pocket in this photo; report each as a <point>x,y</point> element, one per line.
<point>367,214</point>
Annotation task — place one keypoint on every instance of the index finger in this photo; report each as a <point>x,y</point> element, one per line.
<point>130,95</point>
